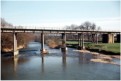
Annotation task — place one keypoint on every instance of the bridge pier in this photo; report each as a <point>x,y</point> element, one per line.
<point>83,47</point>
<point>118,38</point>
<point>63,47</point>
<point>108,38</point>
<point>15,50</point>
<point>42,44</point>
<point>95,38</point>
<point>81,41</point>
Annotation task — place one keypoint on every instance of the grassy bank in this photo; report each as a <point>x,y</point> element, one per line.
<point>114,48</point>
<point>71,42</point>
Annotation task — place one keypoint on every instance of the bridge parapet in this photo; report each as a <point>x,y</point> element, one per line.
<point>54,30</point>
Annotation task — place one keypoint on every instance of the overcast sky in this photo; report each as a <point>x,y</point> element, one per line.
<point>57,14</point>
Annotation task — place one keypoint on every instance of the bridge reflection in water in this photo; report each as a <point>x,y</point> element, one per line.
<point>63,62</point>
<point>15,63</point>
<point>68,65</point>
<point>17,60</point>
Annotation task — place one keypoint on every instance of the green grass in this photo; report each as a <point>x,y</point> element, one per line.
<point>115,47</point>
<point>71,42</point>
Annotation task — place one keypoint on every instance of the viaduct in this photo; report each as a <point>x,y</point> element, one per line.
<point>107,36</point>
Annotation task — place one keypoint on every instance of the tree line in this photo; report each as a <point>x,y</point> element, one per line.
<point>84,26</point>
<point>24,38</point>
<point>88,26</point>
<point>7,38</point>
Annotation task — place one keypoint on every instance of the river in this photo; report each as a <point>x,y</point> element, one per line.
<point>72,65</point>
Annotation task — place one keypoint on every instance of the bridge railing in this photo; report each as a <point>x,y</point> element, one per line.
<point>54,29</point>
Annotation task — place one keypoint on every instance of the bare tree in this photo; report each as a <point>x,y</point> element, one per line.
<point>98,28</point>
<point>7,38</point>
<point>93,27</point>
<point>87,25</point>
<point>81,27</point>
<point>67,27</point>
<point>5,24</point>
<point>71,27</point>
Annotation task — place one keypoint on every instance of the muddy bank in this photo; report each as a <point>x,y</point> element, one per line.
<point>101,54</point>
<point>103,51</point>
<point>93,50</point>
<point>10,50</point>
<point>100,58</point>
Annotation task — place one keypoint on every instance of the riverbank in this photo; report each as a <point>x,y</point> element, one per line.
<point>100,54</point>
<point>8,50</point>
<point>105,48</point>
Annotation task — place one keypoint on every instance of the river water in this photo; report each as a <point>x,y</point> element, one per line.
<point>72,65</point>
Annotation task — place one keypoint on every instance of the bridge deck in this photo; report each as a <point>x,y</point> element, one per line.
<point>52,30</point>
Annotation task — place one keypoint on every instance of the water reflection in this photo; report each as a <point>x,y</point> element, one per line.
<point>64,60</point>
<point>84,58</point>
<point>42,64</point>
<point>15,58</point>
<point>81,58</point>
<point>18,60</point>
<point>60,66</point>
